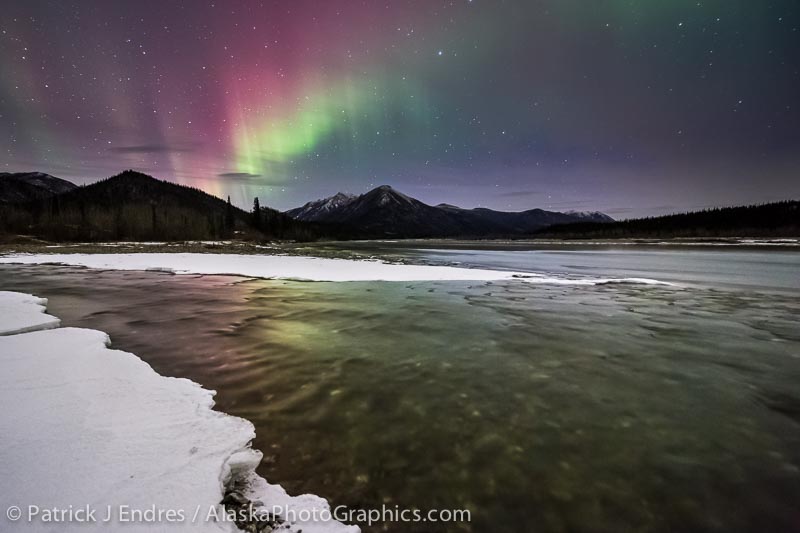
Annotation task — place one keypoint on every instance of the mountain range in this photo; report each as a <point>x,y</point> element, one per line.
<point>131,206</point>
<point>135,206</point>
<point>386,212</point>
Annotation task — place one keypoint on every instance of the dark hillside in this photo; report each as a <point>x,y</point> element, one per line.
<point>135,206</point>
<point>22,187</point>
<point>779,219</point>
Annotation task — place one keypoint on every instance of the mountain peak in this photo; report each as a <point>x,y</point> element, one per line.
<point>385,195</point>
<point>590,216</point>
<point>132,175</point>
<point>385,211</point>
<point>320,209</point>
<point>20,187</point>
<point>21,175</point>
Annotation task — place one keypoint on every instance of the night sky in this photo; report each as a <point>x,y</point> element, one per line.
<point>630,107</point>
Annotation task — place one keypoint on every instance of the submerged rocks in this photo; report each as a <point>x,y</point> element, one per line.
<point>250,515</point>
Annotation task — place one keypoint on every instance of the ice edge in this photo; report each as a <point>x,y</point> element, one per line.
<point>301,268</point>
<point>238,467</point>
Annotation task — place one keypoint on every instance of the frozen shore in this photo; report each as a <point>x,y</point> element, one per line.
<point>20,313</point>
<point>298,268</point>
<point>86,427</point>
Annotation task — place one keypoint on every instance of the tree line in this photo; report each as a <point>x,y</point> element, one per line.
<point>133,206</point>
<point>778,219</point>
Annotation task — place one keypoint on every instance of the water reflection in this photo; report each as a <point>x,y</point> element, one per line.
<point>538,408</point>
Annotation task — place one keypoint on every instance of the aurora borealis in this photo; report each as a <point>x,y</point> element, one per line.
<point>630,107</point>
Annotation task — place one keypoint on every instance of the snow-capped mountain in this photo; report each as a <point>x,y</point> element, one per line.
<point>21,187</point>
<point>385,211</point>
<point>590,216</point>
<point>319,209</point>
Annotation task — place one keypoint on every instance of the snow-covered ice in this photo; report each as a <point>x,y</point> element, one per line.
<point>23,312</point>
<point>85,425</point>
<point>297,268</point>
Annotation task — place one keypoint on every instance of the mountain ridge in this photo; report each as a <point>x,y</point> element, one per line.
<point>21,187</point>
<point>135,206</point>
<point>385,211</point>
<point>773,219</point>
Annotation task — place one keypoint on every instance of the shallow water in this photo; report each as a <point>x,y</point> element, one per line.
<point>739,267</point>
<point>539,408</point>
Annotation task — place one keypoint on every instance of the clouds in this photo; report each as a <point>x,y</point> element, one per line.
<point>153,149</point>
<point>246,178</point>
<point>531,104</point>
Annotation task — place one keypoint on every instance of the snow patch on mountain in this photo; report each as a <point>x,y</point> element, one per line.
<point>320,208</point>
<point>385,211</point>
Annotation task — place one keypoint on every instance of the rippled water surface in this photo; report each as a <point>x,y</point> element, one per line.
<point>539,408</point>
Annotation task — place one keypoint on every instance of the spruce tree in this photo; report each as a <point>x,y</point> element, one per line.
<point>256,214</point>
<point>229,221</point>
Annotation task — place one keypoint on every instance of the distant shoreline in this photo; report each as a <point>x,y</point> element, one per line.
<point>352,248</point>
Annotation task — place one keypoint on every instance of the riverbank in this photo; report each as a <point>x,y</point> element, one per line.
<point>536,407</point>
<point>303,268</point>
<point>94,437</point>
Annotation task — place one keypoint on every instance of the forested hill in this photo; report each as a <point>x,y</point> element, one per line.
<point>135,206</point>
<point>779,219</point>
<point>20,187</point>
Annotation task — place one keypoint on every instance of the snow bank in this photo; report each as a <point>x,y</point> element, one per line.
<point>84,425</point>
<point>296,268</point>
<point>23,312</point>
